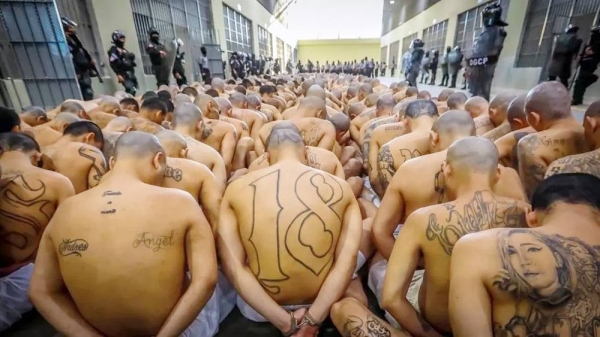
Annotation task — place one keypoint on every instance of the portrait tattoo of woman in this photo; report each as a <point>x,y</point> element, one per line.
<point>554,281</point>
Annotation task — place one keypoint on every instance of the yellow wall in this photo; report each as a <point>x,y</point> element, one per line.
<point>338,50</point>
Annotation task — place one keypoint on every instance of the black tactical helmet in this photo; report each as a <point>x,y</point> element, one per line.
<point>572,29</point>
<point>117,35</point>
<point>418,43</point>
<point>492,15</point>
<point>68,23</point>
<point>153,31</point>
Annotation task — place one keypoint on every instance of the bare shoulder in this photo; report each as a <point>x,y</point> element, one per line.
<point>588,162</point>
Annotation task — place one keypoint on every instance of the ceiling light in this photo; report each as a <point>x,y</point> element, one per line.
<point>392,2</point>
<point>239,7</point>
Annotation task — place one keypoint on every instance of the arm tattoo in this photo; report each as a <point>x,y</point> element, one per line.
<point>356,327</point>
<point>153,242</point>
<point>319,193</point>
<point>206,132</point>
<point>385,164</point>
<point>312,160</point>
<point>531,172</point>
<point>554,282</point>
<point>98,168</point>
<point>483,212</point>
<point>72,247</point>
<point>408,154</point>
<point>583,163</point>
<point>25,211</point>
<point>173,173</point>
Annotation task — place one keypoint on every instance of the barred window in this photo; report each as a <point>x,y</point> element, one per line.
<point>280,50</point>
<point>469,26</point>
<point>288,53</point>
<point>394,50</point>
<point>265,42</point>
<point>545,17</point>
<point>435,36</point>
<point>238,31</point>
<point>189,20</point>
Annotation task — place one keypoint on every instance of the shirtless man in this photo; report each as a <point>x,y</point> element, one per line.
<point>359,121</point>
<point>71,106</point>
<point>254,120</point>
<point>152,114</point>
<point>548,110</point>
<point>540,281</point>
<point>418,120</point>
<point>216,134</point>
<point>499,116</point>
<point>479,109</point>
<point>588,162</point>
<point>81,295</point>
<point>383,112</point>
<point>130,104</point>
<point>187,122</point>
<point>457,101</point>
<point>470,172</point>
<point>442,101</point>
<point>107,110</point>
<point>49,133</point>
<point>77,155</point>
<point>29,197</point>
<point>226,109</point>
<point>190,176</point>
<point>219,85</point>
<point>507,144</point>
<point>371,100</point>
<point>269,111</point>
<point>119,124</point>
<point>379,137</point>
<point>34,116</point>
<point>425,185</point>
<point>411,94</point>
<point>300,281</point>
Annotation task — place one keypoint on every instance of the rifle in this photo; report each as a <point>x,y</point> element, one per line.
<point>93,68</point>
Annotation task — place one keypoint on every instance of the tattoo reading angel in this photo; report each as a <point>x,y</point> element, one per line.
<point>555,282</point>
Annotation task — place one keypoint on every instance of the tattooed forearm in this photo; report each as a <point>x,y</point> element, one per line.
<point>554,282</point>
<point>483,212</point>
<point>498,132</point>
<point>385,164</point>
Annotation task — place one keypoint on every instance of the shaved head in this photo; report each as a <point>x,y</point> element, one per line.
<point>593,110</point>
<point>283,135</point>
<point>501,102</point>
<point>187,114</point>
<point>400,109</point>
<point>312,107</point>
<point>477,106</point>
<point>68,118</point>
<point>473,154</point>
<point>203,101</point>
<point>420,108</point>
<point>366,89</point>
<point>443,96</point>
<point>316,91</point>
<point>238,100</point>
<point>137,144</point>
<point>424,94</point>
<point>356,109</point>
<point>550,100</point>
<point>352,92</point>
<point>412,91</point>
<point>254,102</point>
<point>181,98</point>
<point>457,101</point>
<point>71,107</point>
<point>218,84</point>
<point>119,124</point>
<point>109,104</point>
<point>386,102</point>
<point>224,105</point>
<point>455,123</point>
<point>172,142</point>
<point>371,100</point>
<point>341,122</point>
<point>516,108</point>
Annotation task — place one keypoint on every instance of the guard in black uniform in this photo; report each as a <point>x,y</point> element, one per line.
<point>486,51</point>
<point>415,61</point>
<point>122,62</point>
<point>85,66</point>
<point>588,63</point>
<point>567,47</point>
<point>157,52</point>
<point>178,69</point>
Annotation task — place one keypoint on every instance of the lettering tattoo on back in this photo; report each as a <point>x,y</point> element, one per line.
<point>70,247</point>
<point>110,202</point>
<point>294,239</point>
<point>173,173</point>
<point>554,282</point>
<point>153,241</point>
<point>25,211</point>
<point>482,212</point>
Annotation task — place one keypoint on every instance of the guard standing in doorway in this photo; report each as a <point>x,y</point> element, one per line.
<point>588,63</point>
<point>122,62</point>
<point>157,53</point>
<point>84,64</point>
<point>204,69</point>
<point>567,47</point>
<point>415,61</point>
<point>178,69</point>
<point>486,51</point>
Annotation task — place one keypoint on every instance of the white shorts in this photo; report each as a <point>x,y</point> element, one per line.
<point>14,301</point>
<point>214,312</point>
<point>374,197</point>
<point>360,262</point>
<point>376,280</point>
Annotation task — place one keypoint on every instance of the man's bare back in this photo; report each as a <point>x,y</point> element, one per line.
<point>83,164</point>
<point>317,158</point>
